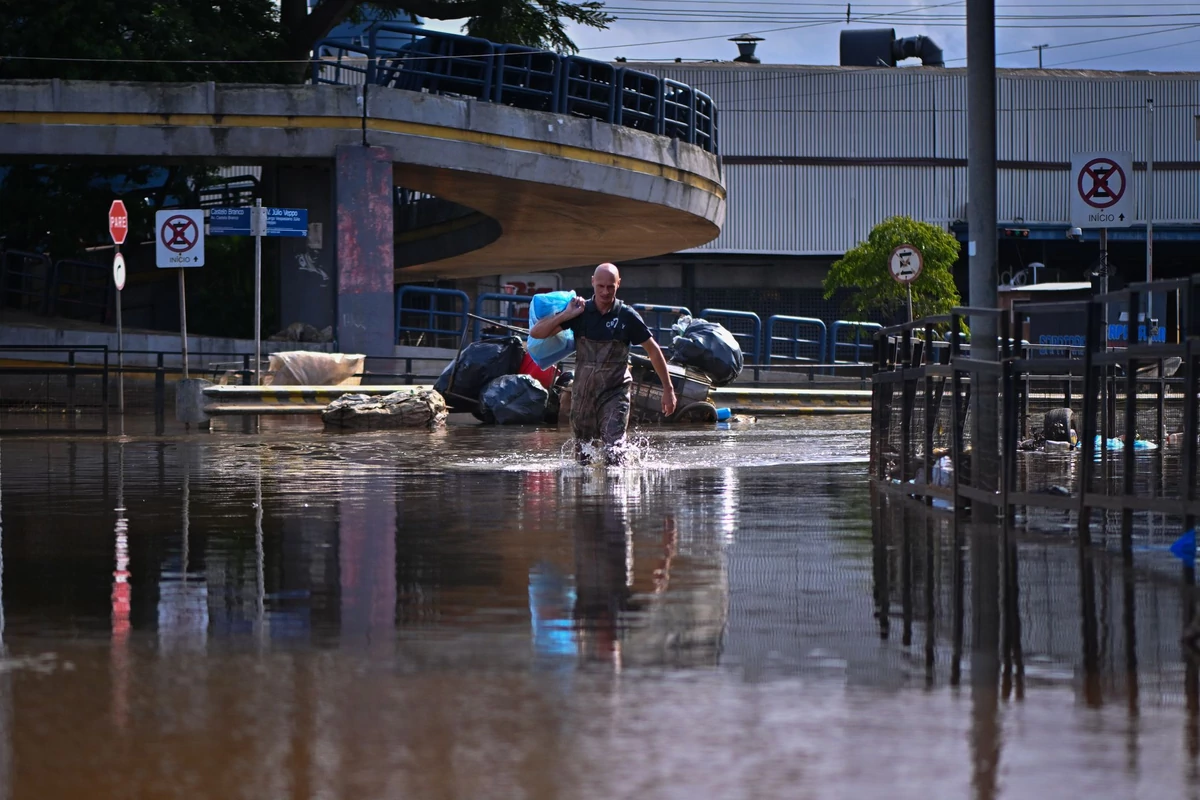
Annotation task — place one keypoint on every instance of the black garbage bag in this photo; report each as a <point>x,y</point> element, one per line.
<point>514,400</point>
<point>708,347</point>
<point>478,364</point>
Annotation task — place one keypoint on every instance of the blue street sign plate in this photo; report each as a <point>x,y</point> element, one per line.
<point>235,221</point>
<point>287,222</point>
<point>229,221</point>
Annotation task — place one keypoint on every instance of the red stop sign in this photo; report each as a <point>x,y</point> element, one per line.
<point>118,222</point>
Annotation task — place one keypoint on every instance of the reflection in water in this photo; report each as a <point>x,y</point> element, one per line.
<point>386,616</point>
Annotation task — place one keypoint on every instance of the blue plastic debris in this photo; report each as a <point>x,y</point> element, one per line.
<point>1184,548</point>
<point>723,414</point>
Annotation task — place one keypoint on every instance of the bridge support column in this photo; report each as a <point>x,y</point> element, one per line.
<point>365,250</point>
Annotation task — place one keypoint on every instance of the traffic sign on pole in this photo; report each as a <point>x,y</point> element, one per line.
<point>119,271</point>
<point>906,263</point>
<point>1100,190</point>
<point>118,222</point>
<point>180,238</point>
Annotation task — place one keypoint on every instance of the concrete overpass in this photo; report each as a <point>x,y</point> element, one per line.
<point>549,190</point>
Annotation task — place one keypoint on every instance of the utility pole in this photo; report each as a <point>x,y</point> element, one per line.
<point>1040,48</point>
<point>981,239</point>
<point>1149,211</point>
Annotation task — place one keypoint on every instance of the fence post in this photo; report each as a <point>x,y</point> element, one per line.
<point>71,390</point>
<point>104,395</point>
<point>160,398</point>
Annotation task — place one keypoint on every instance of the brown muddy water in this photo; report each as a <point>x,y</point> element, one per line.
<point>463,614</point>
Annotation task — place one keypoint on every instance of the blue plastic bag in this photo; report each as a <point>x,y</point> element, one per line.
<point>548,352</point>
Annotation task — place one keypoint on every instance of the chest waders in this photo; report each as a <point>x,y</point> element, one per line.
<point>600,396</point>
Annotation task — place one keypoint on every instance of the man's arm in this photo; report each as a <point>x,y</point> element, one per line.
<point>548,326</point>
<point>660,368</point>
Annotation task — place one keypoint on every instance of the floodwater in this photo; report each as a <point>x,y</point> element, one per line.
<point>463,614</point>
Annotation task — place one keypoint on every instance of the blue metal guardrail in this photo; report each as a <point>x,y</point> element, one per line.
<point>429,308</point>
<point>752,352</point>
<point>506,309</point>
<point>653,315</point>
<point>862,347</point>
<point>799,347</point>
<point>412,57</point>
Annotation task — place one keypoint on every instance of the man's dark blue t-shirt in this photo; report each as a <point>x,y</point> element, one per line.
<point>621,323</point>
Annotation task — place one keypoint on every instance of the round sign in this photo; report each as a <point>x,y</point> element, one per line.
<point>906,263</point>
<point>119,271</point>
<point>118,222</point>
<point>179,233</point>
<point>1101,182</point>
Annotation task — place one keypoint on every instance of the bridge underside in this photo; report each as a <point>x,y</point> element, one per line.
<point>537,226</point>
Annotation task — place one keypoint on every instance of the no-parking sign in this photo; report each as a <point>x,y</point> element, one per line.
<point>179,238</point>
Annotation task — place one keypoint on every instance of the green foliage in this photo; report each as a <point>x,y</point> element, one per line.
<point>865,270</point>
<point>61,209</point>
<point>539,23</point>
<point>138,32</point>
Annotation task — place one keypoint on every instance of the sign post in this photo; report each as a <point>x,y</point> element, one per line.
<point>118,229</point>
<point>257,221</point>
<point>905,264</point>
<point>1100,199</point>
<point>179,244</point>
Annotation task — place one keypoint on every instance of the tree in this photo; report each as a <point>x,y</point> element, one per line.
<point>864,268</point>
<point>534,23</point>
<point>143,40</point>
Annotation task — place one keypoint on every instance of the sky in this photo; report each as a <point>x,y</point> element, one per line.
<point>1162,37</point>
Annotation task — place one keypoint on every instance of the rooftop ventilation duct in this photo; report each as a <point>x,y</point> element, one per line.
<point>879,47</point>
<point>746,44</point>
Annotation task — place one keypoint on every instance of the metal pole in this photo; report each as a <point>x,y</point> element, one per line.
<point>120,358</point>
<point>1040,48</point>
<point>908,285</point>
<point>258,234</point>
<point>982,245</point>
<point>183,324</point>
<point>1149,210</point>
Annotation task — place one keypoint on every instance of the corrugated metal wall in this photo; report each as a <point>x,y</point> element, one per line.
<point>827,118</point>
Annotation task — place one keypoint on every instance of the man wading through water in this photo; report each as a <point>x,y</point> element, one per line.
<point>604,328</point>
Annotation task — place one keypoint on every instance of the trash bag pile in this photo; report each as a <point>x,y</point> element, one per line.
<point>708,347</point>
<point>499,383</point>
<point>514,400</point>
<point>477,365</point>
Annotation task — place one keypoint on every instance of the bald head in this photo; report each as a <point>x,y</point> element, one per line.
<point>605,281</point>
<point>609,270</point>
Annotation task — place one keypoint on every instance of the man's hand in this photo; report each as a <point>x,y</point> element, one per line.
<point>668,400</point>
<point>574,308</point>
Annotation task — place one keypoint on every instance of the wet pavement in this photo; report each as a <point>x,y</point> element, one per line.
<point>465,614</point>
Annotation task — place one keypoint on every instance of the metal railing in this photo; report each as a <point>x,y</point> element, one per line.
<point>1129,401</point>
<point>430,311</point>
<point>799,347</point>
<point>412,57</point>
<point>653,315</point>
<point>507,312</point>
<point>859,347</point>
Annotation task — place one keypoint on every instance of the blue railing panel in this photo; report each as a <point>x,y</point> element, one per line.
<point>803,339</point>
<point>653,315</point>
<point>641,101</point>
<point>679,111</point>
<point>751,343</point>
<point>862,344</point>
<point>415,58</point>
<point>430,311</point>
<point>511,309</point>
<point>527,78</point>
